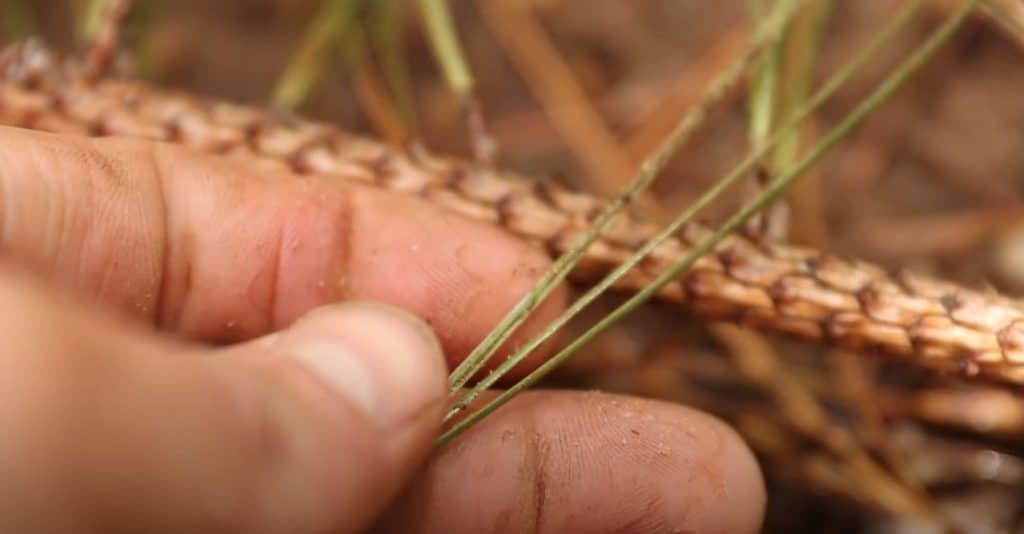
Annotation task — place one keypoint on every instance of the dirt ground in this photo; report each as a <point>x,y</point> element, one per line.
<point>933,182</point>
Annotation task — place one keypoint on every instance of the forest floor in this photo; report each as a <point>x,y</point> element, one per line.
<point>933,182</point>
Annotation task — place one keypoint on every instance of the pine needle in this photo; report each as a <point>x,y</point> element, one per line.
<point>837,80</point>
<point>886,89</point>
<point>648,171</point>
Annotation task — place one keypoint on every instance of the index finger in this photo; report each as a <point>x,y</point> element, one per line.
<point>221,252</point>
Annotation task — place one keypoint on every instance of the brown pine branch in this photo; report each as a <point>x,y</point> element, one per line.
<point>792,290</point>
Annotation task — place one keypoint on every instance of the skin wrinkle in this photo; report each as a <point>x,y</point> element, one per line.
<point>113,175</point>
<point>452,282</point>
<point>275,277</point>
<point>335,210</point>
<point>530,499</point>
<point>346,222</point>
<point>197,280</point>
<point>72,207</point>
<point>53,227</point>
<point>616,420</point>
<point>647,510</point>
<point>647,519</point>
<point>159,306</point>
<point>179,276</point>
<point>263,288</point>
<point>258,258</point>
<point>537,465</point>
<point>5,203</point>
<point>318,208</point>
<point>66,226</point>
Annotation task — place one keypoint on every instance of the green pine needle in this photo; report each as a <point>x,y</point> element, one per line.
<point>888,87</point>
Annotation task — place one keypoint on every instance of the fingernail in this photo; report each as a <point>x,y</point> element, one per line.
<point>383,361</point>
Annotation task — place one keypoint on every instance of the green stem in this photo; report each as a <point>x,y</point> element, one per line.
<point>889,86</point>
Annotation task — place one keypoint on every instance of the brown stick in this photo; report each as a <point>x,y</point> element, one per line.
<point>780,288</point>
<point>550,78</point>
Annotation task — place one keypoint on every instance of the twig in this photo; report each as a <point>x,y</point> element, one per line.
<point>563,99</point>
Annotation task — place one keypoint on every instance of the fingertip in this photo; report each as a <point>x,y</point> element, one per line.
<point>384,361</point>
<point>345,402</point>
<point>591,462</point>
<point>313,430</point>
<point>680,469</point>
<point>730,494</point>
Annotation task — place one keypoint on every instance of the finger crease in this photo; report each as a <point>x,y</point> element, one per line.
<point>275,279</point>
<point>161,305</point>
<point>539,451</point>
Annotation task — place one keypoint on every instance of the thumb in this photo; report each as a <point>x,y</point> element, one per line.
<point>370,382</point>
<point>313,429</point>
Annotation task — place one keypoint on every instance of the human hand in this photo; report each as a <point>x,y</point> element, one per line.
<point>172,362</point>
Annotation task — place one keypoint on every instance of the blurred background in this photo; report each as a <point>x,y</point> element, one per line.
<point>580,91</point>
